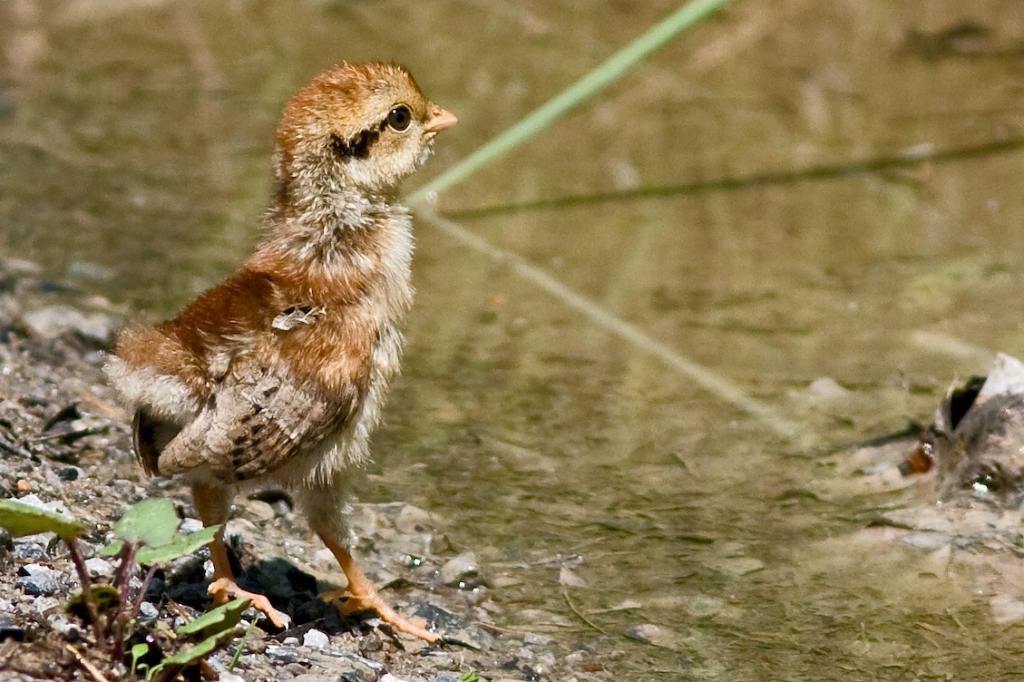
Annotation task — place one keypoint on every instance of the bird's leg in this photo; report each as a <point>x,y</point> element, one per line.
<point>362,596</point>
<point>213,504</point>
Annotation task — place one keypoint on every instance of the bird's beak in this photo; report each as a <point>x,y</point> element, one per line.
<point>441,119</point>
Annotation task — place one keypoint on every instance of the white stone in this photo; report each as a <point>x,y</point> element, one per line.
<point>534,639</point>
<point>316,639</point>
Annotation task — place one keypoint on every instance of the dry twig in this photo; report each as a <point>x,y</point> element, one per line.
<point>579,614</point>
<point>86,663</point>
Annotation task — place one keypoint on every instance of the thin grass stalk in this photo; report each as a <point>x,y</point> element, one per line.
<point>579,92</point>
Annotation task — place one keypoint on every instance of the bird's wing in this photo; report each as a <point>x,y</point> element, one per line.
<point>150,436</point>
<point>255,422</point>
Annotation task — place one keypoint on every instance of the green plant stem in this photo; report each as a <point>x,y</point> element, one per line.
<point>241,645</point>
<point>90,604</point>
<point>137,606</point>
<point>122,582</point>
<point>582,90</point>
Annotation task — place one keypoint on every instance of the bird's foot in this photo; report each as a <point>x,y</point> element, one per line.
<point>226,589</point>
<point>348,603</point>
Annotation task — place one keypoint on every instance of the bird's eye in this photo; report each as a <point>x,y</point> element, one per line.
<point>399,118</point>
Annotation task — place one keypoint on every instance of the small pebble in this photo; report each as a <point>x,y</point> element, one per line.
<point>189,526</point>
<point>533,639</point>
<point>148,611</point>
<point>260,509</point>
<point>69,473</point>
<point>284,654</point>
<point>545,662</point>
<point>37,580</point>
<point>568,578</point>
<point>24,486</point>
<point>525,655</point>
<point>316,639</point>
<point>827,388</point>
<point>30,551</point>
<point>656,635</point>
<point>575,659</point>
<point>99,568</point>
<point>293,670</point>
<point>69,631</point>
<point>413,520</point>
<point>456,570</point>
<point>644,633</point>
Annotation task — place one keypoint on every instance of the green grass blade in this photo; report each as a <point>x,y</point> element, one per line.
<point>582,90</point>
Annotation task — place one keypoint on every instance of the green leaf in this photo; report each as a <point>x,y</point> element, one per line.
<point>216,622</point>
<point>180,545</point>
<point>187,657</point>
<point>215,626</point>
<point>151,522</point>
<point>113,548</point>
<point>138,651</point>
<point>192,654</point>
<point>23,519</point>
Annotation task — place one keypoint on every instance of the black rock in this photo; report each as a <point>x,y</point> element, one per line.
<point>155,589</point>
<point>195,595</point>
<point>278,579</point>
<point>69,473</point>
<point>305,607</point>
<point>8,630</point>
<point>185,570</point>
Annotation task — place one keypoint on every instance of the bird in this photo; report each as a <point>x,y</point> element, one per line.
<point>277,376</point>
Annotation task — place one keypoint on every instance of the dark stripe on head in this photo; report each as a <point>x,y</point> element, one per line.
<point>358,147</point>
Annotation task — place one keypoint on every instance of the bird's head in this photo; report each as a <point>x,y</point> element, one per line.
<point>356,126</point>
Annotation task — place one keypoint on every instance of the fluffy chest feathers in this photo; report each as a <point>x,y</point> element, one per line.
<point>322,313</point>
<point>281,369</point>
